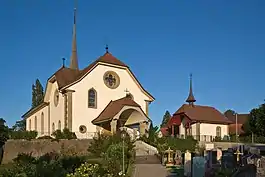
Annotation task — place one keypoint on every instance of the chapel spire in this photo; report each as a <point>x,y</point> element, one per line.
<point>74,59</point>
<point>191,99</point>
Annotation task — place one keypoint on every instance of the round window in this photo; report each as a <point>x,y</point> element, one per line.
<point>111,79</point>
<point>56,97</point>
<point>82,129</point>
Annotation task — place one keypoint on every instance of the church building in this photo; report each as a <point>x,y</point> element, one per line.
<point>204,123</point>
<point>102,97</point>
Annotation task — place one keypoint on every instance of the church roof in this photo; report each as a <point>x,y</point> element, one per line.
<point>66,76</point>
<point>203,114</point>
<point>114,108</point>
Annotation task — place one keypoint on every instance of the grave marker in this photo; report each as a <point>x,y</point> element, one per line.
<point>198,167</point>
<point>187,164</point>
<point>219,154</point>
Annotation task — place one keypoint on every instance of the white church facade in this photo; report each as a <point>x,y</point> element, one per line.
<point>102,97</point>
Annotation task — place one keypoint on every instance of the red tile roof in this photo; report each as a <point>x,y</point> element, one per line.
<point>203,114</point>
<point>114,108</point>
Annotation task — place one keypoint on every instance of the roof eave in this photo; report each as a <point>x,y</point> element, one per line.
<point>34,110</point>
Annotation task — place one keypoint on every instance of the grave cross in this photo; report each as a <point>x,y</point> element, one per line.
<point>238,153</point>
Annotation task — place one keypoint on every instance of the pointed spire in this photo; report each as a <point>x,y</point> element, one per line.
<point>191,98</point>
<point>74,59</point>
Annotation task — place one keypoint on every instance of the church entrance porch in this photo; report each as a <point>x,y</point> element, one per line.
<point>123,113</point>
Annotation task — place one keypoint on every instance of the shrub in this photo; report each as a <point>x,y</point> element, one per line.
<point>50,164</point>
<point>86,169</point>
<point>177,144</point>
<point>65,134</point>
<point>27,135</point>
<point>24,158</point>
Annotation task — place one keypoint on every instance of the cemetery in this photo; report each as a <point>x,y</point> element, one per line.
<point>215,162</point>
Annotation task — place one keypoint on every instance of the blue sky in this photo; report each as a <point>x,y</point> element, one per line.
<point>222,42</point>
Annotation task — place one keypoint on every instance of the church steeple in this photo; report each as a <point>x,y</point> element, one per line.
<point>191,99</point>
<point>74,59</point>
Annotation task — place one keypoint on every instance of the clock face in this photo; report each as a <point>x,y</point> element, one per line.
<point>56,97</point>
<point>111,79</point>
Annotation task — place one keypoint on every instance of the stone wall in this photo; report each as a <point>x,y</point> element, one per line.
<point>39,147</point>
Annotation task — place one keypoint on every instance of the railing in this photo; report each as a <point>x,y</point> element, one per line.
<point>206,138</point>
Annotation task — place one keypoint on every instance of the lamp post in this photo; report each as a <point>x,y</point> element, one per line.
<point>123,135</point>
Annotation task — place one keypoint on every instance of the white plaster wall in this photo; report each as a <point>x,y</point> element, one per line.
<point>82,115</point>
<point>56,112</point>
<point>38,115</point>
<point>193,129</point>
<point>181,129</point>
<point>210,129</point>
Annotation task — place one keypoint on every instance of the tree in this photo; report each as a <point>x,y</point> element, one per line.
<point>3,137</point>
<point>37,94</point>
<point>152,132</point>
<point>166,118</point>
<point>3,132</point>
<point>256,121</point>
<point>229,113</point>
<point>20,125</point>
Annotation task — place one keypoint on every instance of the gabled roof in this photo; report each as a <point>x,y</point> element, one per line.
<point>203,114</point>
<point>66,76</point>
<point>114,108</point>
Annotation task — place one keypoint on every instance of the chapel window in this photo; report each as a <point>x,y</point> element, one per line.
<point>218,131</point>
<point>59,125</point>
<point>36,123</point>
<point>53,127</point>
<point>42,123</point>
<point>29,124</point>
<point>92,98</point>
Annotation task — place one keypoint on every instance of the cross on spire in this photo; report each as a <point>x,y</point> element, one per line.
<point>107,48</point>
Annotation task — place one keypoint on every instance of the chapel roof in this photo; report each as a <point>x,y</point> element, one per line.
<point>203,114</point>
<point>114,108</point>
<point>66,76</point>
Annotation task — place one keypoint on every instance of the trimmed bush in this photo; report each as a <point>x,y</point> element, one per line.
<point>27,135</point>
<point>65,134</point>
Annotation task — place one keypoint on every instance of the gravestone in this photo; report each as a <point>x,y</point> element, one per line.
<point>228,160</point>
<point>209,159</point>
<point>187,164</point>
<point>178,157</point>
<point>198,167</point>
<point>219,154</point>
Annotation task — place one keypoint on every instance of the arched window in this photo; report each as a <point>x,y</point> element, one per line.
<point>53,127</point>
<point>29,124</point>
<point>36,123</point>
<point>92,98</point>
<point>218,131</point>
<point>59,125</point>
<point>42,123</point>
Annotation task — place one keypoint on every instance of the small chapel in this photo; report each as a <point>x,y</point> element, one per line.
<point>103,97</point>
<point>204,123</point>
